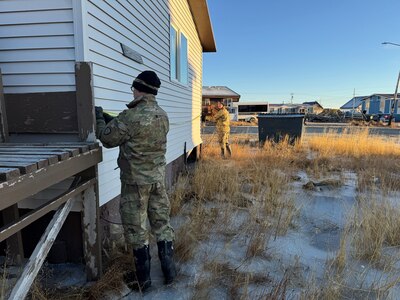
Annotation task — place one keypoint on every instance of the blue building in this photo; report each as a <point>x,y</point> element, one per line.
<point>380,103</point>
<point>374,104</point>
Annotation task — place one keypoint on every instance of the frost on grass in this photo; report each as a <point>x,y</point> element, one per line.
<point>318,220</point>
<point>289,221</point>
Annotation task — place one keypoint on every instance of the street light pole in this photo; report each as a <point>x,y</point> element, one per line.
<point>397,86</point>
<point>394,101</point>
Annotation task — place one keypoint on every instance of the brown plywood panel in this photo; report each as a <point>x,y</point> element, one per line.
<point>42,112</point>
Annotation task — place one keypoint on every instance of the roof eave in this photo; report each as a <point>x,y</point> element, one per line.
<point>201,17</point>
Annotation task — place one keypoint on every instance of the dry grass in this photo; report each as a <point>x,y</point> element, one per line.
<point>179,194</point>
<point>112,279</point>
<point>355,144</point>
<point>265,173</point>
<point>247,200</point>
<point>376,224</point>
<point>192,232</point>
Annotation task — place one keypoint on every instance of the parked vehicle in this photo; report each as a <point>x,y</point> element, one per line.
<point>384,118</point>
<point>247,111</point>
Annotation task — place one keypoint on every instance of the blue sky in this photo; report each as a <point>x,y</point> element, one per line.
<point>316,49</point>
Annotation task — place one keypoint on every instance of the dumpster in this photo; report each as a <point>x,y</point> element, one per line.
<point>275,127</point>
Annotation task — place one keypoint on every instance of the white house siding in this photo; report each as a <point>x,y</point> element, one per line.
<point>144,27</point>
<point>37,46</point>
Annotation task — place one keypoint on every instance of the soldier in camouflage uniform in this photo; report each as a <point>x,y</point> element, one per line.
<point>222,118</point>
<point>141,134</point>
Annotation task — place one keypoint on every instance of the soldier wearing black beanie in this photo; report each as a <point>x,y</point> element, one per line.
<point>140,132</point>
<point>147,82</point>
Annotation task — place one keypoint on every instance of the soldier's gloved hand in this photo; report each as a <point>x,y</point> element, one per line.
<point>99,112</point>
<point>107,117</point>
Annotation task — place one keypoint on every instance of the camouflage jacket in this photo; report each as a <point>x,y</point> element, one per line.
<point>223,119</point>
<point>141,134</point>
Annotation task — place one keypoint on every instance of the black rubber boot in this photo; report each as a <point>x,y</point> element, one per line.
<point>222,152</point>
<point>166,255</point>
<point>228,148</point>
<point>142,264</point>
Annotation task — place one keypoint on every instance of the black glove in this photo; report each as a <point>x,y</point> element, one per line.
<point>99,112</point>
<point>108,118</point>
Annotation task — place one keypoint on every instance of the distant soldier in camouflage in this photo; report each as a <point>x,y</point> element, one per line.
<point>222,118</point>
<point>141,134</point>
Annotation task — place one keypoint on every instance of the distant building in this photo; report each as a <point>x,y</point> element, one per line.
<point>354,103</point>
<point>214,94</point>
<point>373,104</point>
<point>303,108</point>
<point>316,107</point>
<point>380,103</point>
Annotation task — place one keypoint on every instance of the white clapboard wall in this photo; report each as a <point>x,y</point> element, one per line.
<point>144,27</point>
<point>37,52</point>
<point>40,40</point>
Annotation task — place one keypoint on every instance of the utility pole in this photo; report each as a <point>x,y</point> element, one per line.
<point>354,100</point>
<point>394,102</point>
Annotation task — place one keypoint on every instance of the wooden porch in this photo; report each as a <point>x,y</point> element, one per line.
<point>28,168</point>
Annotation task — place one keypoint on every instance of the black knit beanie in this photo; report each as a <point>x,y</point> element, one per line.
<point>147,82</point>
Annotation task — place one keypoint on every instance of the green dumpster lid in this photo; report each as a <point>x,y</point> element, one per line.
<point>278,116</point>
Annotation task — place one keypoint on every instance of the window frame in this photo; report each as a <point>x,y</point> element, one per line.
<point>179,76</point>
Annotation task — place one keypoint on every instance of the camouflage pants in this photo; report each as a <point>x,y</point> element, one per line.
<point>223,139</point>
<point>142,202</point>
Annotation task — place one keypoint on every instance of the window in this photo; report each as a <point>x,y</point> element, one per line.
<point>178,56</point>
<point>253,108</point>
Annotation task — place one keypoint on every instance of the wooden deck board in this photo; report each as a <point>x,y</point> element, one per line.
<point>61,155</point>
<point>8,173</point>
<point>40,162</point>
<point>83,147</point>
<point>24,186</point>
<point>23,167</point>
<point>52,159</point>
<point>72,151</point>
<point>17,159</point>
